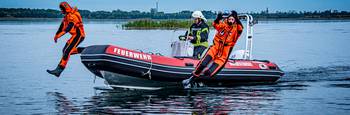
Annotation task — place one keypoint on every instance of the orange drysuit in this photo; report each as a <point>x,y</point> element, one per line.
<point>72,23</point>
<point>218,53</point>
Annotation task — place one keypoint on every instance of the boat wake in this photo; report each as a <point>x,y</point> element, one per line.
<point>330,73</point>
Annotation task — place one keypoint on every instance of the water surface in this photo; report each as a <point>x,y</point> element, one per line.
<point>314,55</point>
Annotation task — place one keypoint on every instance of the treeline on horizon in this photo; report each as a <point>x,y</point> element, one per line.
<point>119,14</point>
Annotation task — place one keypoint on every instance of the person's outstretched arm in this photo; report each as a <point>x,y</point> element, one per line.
<point>217,24</point>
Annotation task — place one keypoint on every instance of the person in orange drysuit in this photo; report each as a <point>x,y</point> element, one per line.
<point>228,32</point>
<point>72,23</point>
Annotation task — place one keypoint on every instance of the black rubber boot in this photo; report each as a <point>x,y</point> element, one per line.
<point>56,72</point>
<point>189,83</point>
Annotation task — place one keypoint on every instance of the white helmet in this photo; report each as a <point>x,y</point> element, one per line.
<point>198,14</point>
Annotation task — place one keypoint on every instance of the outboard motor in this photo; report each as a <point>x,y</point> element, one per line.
<point>239,54</point>
<point>181,48</point>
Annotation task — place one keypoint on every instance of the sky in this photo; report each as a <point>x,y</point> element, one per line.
<point>170,6</point>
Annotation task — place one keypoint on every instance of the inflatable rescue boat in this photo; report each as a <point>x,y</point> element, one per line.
<point>122,67</point>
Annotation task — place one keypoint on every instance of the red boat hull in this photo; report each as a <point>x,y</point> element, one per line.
<point>122,61</point>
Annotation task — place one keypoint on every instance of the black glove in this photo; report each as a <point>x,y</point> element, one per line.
<point>219,17</point>
<point>234,13</point>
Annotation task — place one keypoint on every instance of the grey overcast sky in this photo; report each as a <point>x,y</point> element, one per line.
<point>180,5</point>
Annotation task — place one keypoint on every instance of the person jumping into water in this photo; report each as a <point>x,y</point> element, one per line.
<point>228,32</point>
<point>72,23</point>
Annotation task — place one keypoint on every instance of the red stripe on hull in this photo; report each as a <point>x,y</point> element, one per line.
<point>181,62</point>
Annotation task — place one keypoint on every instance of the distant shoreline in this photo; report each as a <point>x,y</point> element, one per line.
<point>9,13</point>
<point>259,19</point>
<point>183,24</point>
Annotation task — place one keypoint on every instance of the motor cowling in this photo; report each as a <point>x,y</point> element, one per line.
<point>181,49</point>
<point>239,54</point>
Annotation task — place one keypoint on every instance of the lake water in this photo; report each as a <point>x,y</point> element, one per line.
<point>314,55</point>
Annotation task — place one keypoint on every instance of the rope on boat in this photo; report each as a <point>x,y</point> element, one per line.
<point>95,79</point>
<point>149,71</point>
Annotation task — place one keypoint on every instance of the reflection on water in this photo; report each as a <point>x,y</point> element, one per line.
<point>243,100</point>
<point>236,100</point>
<point>61,103</point>
<point>279,98</point>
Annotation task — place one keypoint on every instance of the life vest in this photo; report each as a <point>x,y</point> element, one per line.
<point>196,31</point>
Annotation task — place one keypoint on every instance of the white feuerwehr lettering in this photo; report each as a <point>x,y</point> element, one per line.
<point>132,54</point>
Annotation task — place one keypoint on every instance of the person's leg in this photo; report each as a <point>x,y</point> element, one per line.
<point>196,52</point>
<point>190,82</point>
<point>71,48</point>
<point>218,63</point>
<point>67,51</point>
<point>214,68</point>
<point>201,50</point>
<point>208,57</point>
<point>77,49</point>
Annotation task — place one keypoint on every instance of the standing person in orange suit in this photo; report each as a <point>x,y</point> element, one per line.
<point>228,32</point>
<point>73,24</point>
